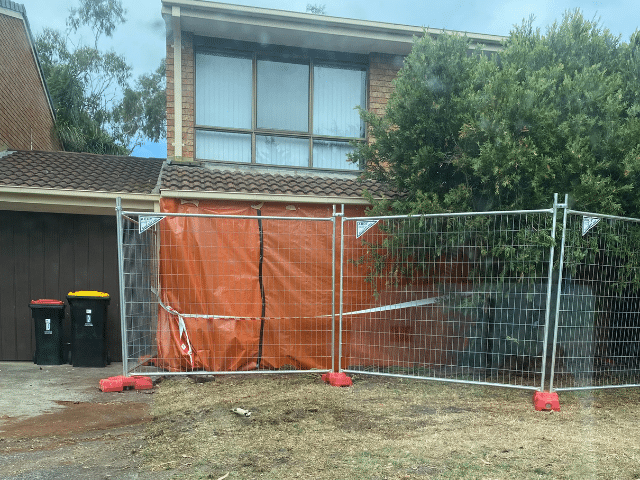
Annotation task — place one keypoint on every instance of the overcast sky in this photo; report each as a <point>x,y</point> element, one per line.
<point>142,38</point>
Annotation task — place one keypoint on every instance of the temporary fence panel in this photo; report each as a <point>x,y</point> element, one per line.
<point>138,266</point>
<point>459,297</point>
<point>597,344</point>
<point>229,288</point>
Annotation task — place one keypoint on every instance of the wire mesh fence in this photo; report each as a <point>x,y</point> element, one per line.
<point>458,297</point>
<point>450,297</point>
<point>220,293</point>
<point>598,338</point>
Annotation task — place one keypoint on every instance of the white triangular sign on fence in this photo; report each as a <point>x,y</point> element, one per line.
<point>148,222</point>
<point>363,225</point>
<point>588,223</point>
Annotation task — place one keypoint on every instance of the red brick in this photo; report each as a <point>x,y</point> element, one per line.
<point>26,122</point>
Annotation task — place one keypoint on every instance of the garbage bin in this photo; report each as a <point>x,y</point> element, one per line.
<point>48,316</point>
<point>88,326</point>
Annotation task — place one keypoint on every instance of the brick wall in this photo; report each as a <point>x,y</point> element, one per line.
<point>188,97</point>
<point>383,68</point>
<point>26,122</point>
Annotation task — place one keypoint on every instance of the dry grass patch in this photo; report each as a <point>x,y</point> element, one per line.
<point>387,428</point>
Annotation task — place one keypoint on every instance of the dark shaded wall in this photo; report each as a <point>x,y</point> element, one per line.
<point>48,255</point>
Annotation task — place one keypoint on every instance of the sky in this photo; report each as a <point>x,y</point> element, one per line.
<point>142,38</point>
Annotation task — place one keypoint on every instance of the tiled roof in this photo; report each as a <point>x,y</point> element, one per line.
<point>120,174</point>
<point>200,178</point>
<point>16,7</point>
<point>79,171</point>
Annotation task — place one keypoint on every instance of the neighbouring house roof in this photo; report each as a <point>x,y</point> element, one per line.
<point>195,180</point>
<point>304,30</point>
<point>77,182</point>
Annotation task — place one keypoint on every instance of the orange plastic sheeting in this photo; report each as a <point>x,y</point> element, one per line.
<point>297,343</point>
<point>297,267</point>
<point>220,344</point>
<point>209,266</point>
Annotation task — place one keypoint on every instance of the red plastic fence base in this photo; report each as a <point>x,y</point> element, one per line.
<point>118,384</point>
<point>337,379</point>
<point>546,401</point>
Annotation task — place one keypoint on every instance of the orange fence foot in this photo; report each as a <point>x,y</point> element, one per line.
<point>337,379</point>
<point>119,383</point>
<point>546,401</point>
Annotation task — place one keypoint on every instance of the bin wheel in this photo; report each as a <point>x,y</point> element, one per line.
<point>34,357</point>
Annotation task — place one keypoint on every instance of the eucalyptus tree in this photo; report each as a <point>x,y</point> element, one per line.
<point>99,108</point>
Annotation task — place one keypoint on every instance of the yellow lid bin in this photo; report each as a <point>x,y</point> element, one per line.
<point>88,310</point>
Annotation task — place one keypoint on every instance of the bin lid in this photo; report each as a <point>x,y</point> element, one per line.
<point>88,293</point>
<point>47,301</point>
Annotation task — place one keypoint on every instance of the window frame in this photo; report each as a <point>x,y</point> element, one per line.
<point>256,52</point>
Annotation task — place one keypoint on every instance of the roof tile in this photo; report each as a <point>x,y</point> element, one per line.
<point>206,178</point>
<point>79,171</point>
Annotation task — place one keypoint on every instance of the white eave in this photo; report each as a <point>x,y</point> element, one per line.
<point>304,30</point>
<point>86,202</point>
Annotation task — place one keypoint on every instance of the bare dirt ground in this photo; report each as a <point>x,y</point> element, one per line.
<point>300,427</point>
<point>387,428</point>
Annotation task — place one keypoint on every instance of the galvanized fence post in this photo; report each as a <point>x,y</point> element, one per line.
<point>123,304</point>
<point>565,207</point>
<point>340,314</point>
<point>549,290</point>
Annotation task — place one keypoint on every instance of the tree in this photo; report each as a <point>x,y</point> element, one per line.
<point>551,113</point>
<point>316,8</point>
<point>98,110</point>
<point>462,132</point>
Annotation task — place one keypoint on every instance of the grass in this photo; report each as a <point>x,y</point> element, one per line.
<point>386,428</point>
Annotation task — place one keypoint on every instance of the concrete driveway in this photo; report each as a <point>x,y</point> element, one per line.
<point>28,390</point>
<point>56,423</point>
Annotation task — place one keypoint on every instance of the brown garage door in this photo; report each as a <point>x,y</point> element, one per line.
<point>47,255</point>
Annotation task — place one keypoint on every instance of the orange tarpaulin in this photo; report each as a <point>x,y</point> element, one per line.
<point>270,277</point>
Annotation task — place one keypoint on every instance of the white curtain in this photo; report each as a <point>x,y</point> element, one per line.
<point>271,150</point>
<point>332,155</point>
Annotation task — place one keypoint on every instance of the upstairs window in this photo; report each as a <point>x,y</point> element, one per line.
<point>273,108</point>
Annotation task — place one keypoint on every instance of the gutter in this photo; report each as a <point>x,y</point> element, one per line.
<point>262,197</point>
<point>73,201</point>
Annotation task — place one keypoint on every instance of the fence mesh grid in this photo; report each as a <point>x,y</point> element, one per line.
<point>228,294</point>
<point>598,341</point>
<point>459,298</point>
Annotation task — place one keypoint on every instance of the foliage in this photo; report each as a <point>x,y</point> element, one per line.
<point>316,8</point>
<point>551,113</point>
<point>97,108</point>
